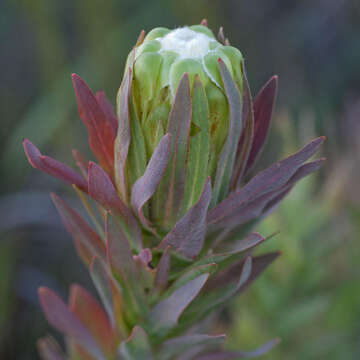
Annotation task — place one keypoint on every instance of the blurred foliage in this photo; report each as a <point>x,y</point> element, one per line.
<point>311,295</point>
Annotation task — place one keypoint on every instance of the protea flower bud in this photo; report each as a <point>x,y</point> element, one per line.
<point>158,66</point>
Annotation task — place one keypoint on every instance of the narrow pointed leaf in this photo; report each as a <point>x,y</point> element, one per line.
<point>101,281</point>
<point>49,349</point>
<point>123,265</point>
<point>178,128</point>
<point>81,162</point>
<point>260,205</point>
<point>234,355</point>
<point>137,347</point>
<point>236,253</point>
<point>52,166</point>
<point>198,158</point>
<point>119,252</point>
<point>90,313</point>
<point>100,129</point>
<point>108,110</point>
<point>80,230</point>
<point>228,153</point>
<point>103,190</point>
<point>264,105</point>
<point>259,264</point>
<point>205,303</point>
<point>165,314</point>
<point>163,269</point>
<point>145,187</point>
<point>246,139</point>
<point>191,274</point>
<point>123,137</point>
<point>271,179</point>
<point>181,344</point>
<point>187,236</point>
<point>59,316</point>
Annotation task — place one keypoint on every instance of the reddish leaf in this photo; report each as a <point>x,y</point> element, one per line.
<point>187,236</point>
<point>100,129</point>
<point>80,230</point>
<point>145,187</point>
<point>81,162</point>
<point>140,38</point>
<point>108,110</point>
<point>59,316</point>
<point>264,105</point>
<point>52,166</point>
<point>91,314</point>
<point>102,189</point>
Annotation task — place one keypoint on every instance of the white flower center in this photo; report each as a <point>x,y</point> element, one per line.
<point>187,43</point>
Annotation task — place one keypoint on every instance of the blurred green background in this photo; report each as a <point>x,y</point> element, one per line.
<point>311,296</point>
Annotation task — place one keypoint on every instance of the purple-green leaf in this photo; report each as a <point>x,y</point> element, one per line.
<point>246,138</point>
<point>163,269</point>
<point>58,315</point>
<point>103,190</point>
<point>52,166</point>
<point>119,252</point>
<point>228,153</point>
<point>179,128</point>
<point>80,230</point>
<point>100,278</point>
<point>269,180</point>
<point>207,302</point>
<point>122,141</point>
<point>187,236</point>
<point>166,313</point>
<point>144,187</point>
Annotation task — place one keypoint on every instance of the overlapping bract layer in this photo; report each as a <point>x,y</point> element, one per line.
<point>170,239</point>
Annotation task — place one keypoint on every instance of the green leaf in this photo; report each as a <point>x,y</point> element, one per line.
<point>228,153</point>
<point>198,158</point>
<point>137,347</point>
<point>136,160</point>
